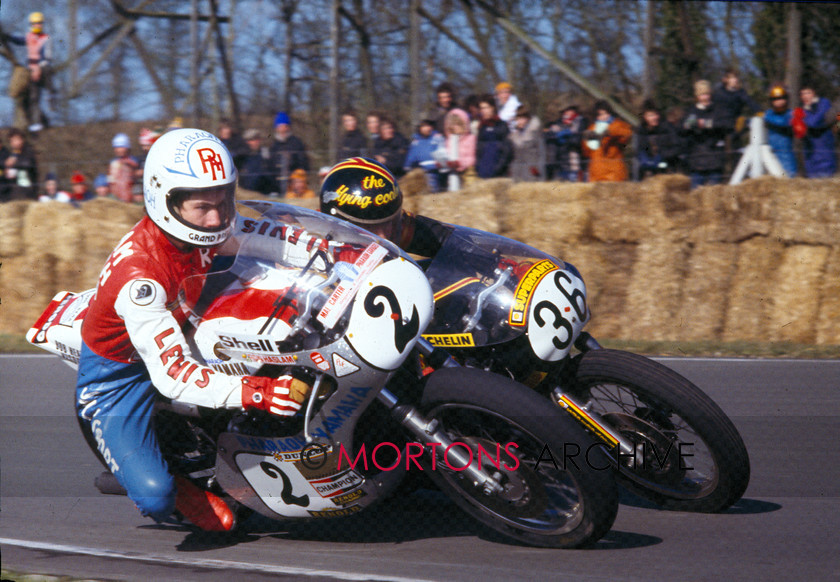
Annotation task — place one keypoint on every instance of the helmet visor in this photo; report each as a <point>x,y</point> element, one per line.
<point>207,210</point>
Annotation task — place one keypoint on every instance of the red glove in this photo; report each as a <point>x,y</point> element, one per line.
<point>452,164</point>
<point>798,123</point>
<point>282,396</point>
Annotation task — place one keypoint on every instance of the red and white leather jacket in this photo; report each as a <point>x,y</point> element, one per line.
<point>135,315</point>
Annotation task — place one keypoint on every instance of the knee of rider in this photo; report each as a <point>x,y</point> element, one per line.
<point>154,495</point>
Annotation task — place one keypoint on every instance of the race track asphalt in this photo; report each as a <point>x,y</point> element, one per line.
<point>53,520</point>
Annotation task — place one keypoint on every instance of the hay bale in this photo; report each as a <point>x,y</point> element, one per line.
<point>635,211</point>
<point>27,284</point>
<point>414,183</point>
<point>549,216</point>
<point>11,228</point>
<point>605,269</point>
<point>705,293</point>
<point>752,289</point>
<point>654,290</point>
<point>53,229</point>
<point>104,223</point>
<point>795,297</point>
<point>736,213</point>
<point>475,206</point>
<point>808,211</point>
<point>828,317</point>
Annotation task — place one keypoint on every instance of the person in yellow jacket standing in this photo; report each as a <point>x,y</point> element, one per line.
<point>604,143</point>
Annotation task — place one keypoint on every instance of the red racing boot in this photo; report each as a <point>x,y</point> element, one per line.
<point>204,509</point>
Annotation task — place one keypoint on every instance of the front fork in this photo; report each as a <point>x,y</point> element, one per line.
<point>593,421</point>
<point>428,432</point>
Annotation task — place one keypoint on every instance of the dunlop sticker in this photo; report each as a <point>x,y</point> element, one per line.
<point>525,289</point>
<point>343,512</point>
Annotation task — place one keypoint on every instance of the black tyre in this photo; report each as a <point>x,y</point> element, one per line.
<point>694,459</point>
<point>549,499</point>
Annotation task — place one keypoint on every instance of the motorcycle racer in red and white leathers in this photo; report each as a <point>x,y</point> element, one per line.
<point>133,343</point>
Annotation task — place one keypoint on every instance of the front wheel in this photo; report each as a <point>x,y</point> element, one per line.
<point>691,455</point>
<point>558,489</point>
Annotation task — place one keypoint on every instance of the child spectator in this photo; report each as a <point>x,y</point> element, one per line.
<point>123,169</point>
<point>101,187</point>
<point>299,185</point>
<point>460,147</point>
<point>604,144</point>
<point>422,153</point>
<point>52,192</point>
<point>80,192</point>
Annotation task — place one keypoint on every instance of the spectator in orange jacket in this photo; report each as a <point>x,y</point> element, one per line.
<point>299,185</point>
<point>604,144</point>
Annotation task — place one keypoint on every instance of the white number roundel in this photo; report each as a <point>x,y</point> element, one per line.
<point>556,315</point>
<point>392,308</point>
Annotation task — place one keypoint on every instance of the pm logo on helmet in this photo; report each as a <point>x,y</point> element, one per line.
<point>202,154</point>
<point>211,159</point>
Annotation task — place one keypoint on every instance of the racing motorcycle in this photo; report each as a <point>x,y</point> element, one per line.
<point>316,297</point>
<point>505,307</point>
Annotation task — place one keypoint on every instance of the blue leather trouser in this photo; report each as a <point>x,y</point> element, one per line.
<point>115,403</point>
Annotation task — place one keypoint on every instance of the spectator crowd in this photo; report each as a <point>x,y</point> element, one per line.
<point>483,136</point>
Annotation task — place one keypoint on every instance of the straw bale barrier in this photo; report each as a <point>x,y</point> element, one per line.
<point>827,327</point>
<point>758,262</point>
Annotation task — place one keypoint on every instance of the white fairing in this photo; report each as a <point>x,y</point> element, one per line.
<point>392,308</point>
<point>557,314</point>
<point>282,487</point>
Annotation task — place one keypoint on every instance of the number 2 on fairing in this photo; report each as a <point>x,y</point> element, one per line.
<point>377,331</point>
<point>286,494</point>
<point>557,315</point>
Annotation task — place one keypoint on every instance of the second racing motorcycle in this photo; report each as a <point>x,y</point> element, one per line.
<point>505,307</point>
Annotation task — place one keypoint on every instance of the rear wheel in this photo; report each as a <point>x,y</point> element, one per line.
<point>548,498</point>
<point>693,458</point>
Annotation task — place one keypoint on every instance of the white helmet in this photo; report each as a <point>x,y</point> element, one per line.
<point>180,163</point>
<point>121,140</point>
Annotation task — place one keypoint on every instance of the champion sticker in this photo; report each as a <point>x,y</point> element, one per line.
<point>142,292</point>
<point>319,361</point>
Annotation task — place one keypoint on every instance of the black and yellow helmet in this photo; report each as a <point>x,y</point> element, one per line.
<point>361,191</point>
